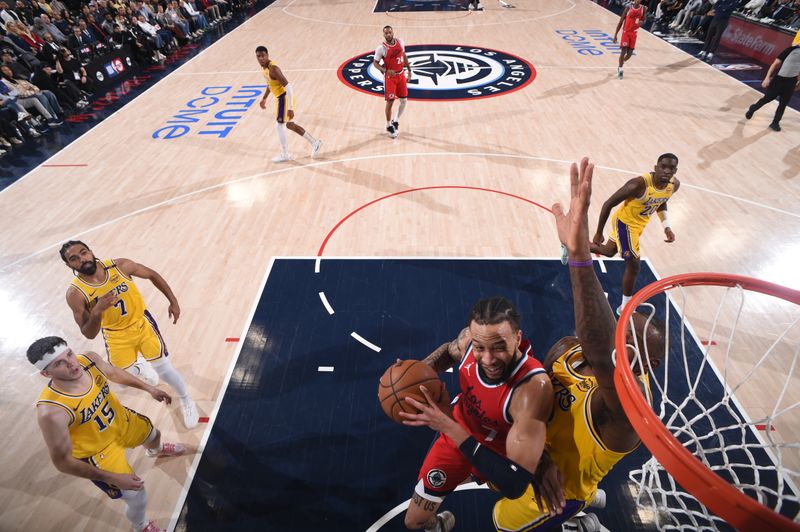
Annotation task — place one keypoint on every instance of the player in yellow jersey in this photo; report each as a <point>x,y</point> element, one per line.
<point>642,196</point>
<point>104,298</point>
<point>87,429</point>
<point>589,431</point>
<point>279,86</point>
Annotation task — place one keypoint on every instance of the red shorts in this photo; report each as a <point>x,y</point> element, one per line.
<point>444,468</point>
<point>395,86</point>
<point>628,40</point>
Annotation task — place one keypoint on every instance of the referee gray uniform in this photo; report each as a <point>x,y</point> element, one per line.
<point>782,85</point>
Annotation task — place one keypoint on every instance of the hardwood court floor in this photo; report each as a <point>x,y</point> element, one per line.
<point>209,212</point>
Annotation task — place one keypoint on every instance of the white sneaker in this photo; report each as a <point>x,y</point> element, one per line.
<point>190,415</point>
<point>144,371</point>
<point>315,148</point>
<point>281,158</point>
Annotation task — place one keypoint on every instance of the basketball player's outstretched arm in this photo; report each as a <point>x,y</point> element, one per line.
<point>594,319</point>
<point>632,189</point>
<point>120,376</point>
<point>134,268</point>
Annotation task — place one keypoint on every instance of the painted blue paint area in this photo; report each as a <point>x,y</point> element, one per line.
<point>296,449</point>
<point>22,159</point>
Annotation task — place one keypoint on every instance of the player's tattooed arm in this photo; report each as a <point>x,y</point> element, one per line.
<point>425,504</point>
<point>447,355</point>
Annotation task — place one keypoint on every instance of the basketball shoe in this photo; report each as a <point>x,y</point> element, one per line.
<point>392,131</point>
<point>189,410</point>
<point>281,158</point>
<point>167,449</point>
<point>315,148</point>
<point>144,371</point>
<point>583,523</point>
<point>396,125</point>
<point>152,527</point>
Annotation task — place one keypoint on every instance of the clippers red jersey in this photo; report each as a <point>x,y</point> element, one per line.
<point>393,55</point>
<point>633,19</point>
<point>482,407</point>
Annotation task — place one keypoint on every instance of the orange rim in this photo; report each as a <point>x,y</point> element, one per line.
<point>718,495</point>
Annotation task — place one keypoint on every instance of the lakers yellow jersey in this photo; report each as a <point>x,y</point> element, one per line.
<point>274,85</point>
<point>572,441</point>
<point>125,312</point>
<point>636,212</point>
<point>96,416</point>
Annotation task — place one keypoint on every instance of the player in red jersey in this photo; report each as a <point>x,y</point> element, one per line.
<point>393,53</point>
<point>631,18</point>
<point>505,401</point>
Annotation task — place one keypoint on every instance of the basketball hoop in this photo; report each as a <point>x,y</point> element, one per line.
<point>702,439</point>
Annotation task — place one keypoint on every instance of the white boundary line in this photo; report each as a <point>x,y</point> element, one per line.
<point>213,417</point>
<point>538,67</point>
<point>365,342</point>
<point>397,510</point>
<point>328,306</point>
<point>351,24</point>
<point>316,164</point>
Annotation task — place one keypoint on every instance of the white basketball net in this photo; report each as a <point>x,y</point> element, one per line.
<point>729,391</point>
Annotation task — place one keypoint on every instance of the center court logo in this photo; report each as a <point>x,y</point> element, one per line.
<point>445,72</point>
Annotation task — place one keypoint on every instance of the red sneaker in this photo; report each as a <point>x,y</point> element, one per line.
<point>167,449</point>
<point>151,527</point>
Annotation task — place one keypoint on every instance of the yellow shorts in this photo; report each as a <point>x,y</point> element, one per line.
<point>626,237</point>
<point>141,337</point>
<point>523,514</point>
<point>136,431</point>
<point>282,110</point>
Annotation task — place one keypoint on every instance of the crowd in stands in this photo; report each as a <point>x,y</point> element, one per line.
<point>693,17</point>
<point>45,46</point>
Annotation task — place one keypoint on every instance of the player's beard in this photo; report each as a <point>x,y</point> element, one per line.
<point>88,269</point>
<point>506,372</point>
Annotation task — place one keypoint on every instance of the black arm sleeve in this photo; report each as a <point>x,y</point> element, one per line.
<point>509,477</point>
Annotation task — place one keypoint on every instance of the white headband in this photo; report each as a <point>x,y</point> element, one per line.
<point>49,357</point>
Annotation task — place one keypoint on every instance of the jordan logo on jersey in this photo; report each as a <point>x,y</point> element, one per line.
<point>468,367</point>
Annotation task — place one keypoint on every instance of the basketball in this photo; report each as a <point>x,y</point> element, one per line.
<point>403,379</point>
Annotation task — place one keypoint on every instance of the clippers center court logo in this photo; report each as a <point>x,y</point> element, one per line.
<point>445,72</point>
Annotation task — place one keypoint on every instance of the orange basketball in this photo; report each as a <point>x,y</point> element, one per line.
<point>402,380</point>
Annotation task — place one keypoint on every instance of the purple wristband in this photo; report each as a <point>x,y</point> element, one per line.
<point>583,264</point>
